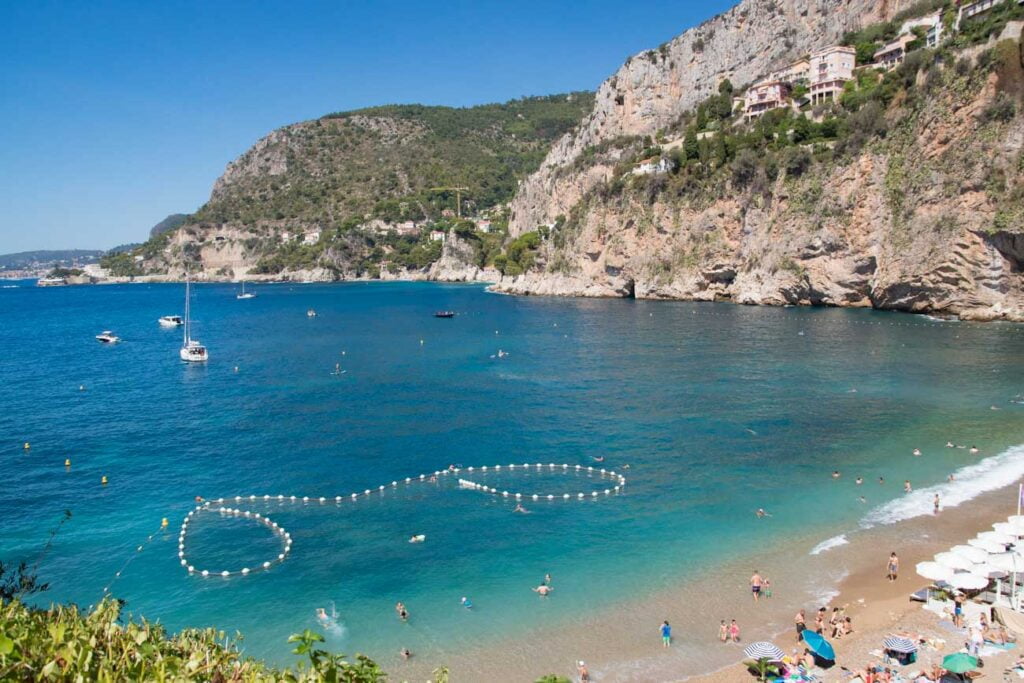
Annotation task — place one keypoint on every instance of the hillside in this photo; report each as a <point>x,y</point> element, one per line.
<point>317,199</point>
<point>904,193</point>
<point>51,258</point>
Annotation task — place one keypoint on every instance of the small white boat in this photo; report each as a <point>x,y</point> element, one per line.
<point>244,294</point>
<point>171,321</point>
<point>311,313</point>
<point>108,337</point>
<point>191,350</point>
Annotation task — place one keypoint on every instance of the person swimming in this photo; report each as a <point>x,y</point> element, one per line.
<point>859,481</point>
<point>917,451</point>
<point>835,474</point>
<point>405,653</point>
<point>418,538</point>
<point>466,602</point>
<point>598,458</point>
<point>881,480</point>
<point>543,590</point>
<point>950,444</point>
<point>761,513</point>
<point>321,614</point>
<point>974,449</point>
<point>519,508</point>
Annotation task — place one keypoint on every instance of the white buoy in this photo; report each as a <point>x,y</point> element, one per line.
<point>550,497</point>
<point>225,573</point>
<point>366,492</point>
<point>206,573</point>
<point>266,565</point>
<point>565,496</point>
<point>535,496</point>
<point>184,563</point>
<point>322,499</point>
<point>191,569</point>
<point>245,570</point>
<point>579,495</point>
<point>305,499</point>
<point>518,496</point>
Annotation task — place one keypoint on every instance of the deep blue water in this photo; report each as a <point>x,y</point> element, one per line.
<point>718,409</point>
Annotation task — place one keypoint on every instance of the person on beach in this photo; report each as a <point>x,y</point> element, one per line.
<point>547,579</point>
<point>405,653</point>
<point>800,621</point>
<point>893,567</point>
<point>666,634</point>
<point>819,621</point>
<point>581,671</point>
<point>466,602</point>
<point>958,610</point>
<point>734,631</point>
<point>723,632</point>
<point>321,614</point>
<point>403,614</point>
<point>906,486</point>
<point>834,618</point>
<point>766,587</point>
<point>543,590</point>
<point>936,503</point>
<point>755,585</point>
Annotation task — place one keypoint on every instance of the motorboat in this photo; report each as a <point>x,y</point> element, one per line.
<point>311,313</point>
<point>171,321</point>
<point>444,314</point>
<point>191,350</point>
<point>244,294</point>
<point>108,337</point>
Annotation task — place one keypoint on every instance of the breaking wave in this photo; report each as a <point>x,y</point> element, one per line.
<point>829,543</point>
<point>970,482</point>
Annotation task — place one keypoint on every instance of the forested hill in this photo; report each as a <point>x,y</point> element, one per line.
<point>331,175</point>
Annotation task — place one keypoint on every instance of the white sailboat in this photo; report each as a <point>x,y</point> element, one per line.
<point>244,294</point>
<point>191,350</point>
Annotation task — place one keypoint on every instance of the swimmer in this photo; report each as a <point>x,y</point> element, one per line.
<point>405,653</point>
<point>835,474</point>
<point>626,466</point>
<point>199,499</point>
<point>403,614</point>
<point>433,479</point>
<point>881,480</point>
<point>519,508</point>
<point>863,499</point>
<point>917,451</point>
<point>950,444</point>
<point>859,481</point>
<point>321,614</point>
<point>337,368</point>
<point>543,590</point>
<point>974,449</point>
<point>418,538</point>
<point>547,579</point>
<point>906,486</point>
<point>466,602</point>
<point>598,458</point>
<point>761,513</point>
<point>952,477</point>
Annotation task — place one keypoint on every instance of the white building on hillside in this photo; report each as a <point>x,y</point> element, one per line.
<point>652,166</point>
<point>311,237</point>
<point>765,96</point>
<point>830,69</point>
<point>891,55</point>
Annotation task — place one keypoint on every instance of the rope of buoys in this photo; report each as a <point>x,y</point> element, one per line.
<point>218,505</point>
<point>138,549</point>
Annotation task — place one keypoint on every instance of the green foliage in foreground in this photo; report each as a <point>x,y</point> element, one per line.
<point>66,644</point>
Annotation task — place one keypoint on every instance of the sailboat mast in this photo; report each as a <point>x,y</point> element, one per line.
<point>187,297</point>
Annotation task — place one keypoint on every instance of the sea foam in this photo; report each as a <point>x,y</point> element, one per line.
<point>970,482</point>
<point>829,543</point>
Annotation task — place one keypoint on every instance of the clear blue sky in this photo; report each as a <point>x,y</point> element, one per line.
<point>114,114</point>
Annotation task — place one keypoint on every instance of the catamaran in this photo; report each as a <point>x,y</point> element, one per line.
<point>191,350</point>
<point>244,294</point>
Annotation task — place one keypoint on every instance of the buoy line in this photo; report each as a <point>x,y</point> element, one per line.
<point>221,505</point>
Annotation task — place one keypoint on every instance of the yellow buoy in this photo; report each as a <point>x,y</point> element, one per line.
<point>163,523</point>
<point>27,446</point>
<point>104,480</point>
<point>67,462</point>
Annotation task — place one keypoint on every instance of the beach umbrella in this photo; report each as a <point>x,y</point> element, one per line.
<point>988,571</point>
<point>933,571</point>
<point>996,537</point>
<point>959,663</point>
<point>1015,529</point>
<point>967,581</point>
<point>986,545</point>
<point>764,650</point>
<point>1008,562</point>
<point>975,555</point>
<point>953,561</point>
<point>900,644</point>
<point>817,644</point>
<point>1015,519</point>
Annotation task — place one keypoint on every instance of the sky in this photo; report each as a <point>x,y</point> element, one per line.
<point>114,114</point>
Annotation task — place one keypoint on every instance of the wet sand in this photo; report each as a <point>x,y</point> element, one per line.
<point>623,643</point>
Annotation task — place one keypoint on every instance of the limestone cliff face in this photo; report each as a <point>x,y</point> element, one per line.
<point>926,219</point>
<point>652,89</point>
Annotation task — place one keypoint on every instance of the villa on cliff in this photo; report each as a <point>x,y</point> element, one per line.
<point>831,68</point>
<point>765,96</point>
<point>891,55</point>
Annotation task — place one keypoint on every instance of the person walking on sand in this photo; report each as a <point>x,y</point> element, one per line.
<point>666,634</point>
<point>755,585</point>
<point>581,670</point>
<point>723,632</point>
<point>734,631</point>
<point>893,567</point>
<point>936,503</point>
<point>800,621</point>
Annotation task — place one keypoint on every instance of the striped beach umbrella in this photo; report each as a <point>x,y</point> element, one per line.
<point>764,650</point>
<point>900,644</point>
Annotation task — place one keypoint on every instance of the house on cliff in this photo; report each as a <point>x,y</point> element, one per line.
<point>830,69</point>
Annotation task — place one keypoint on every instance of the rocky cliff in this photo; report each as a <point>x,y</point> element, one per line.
<point>914,200</point>
<point>654,88</point>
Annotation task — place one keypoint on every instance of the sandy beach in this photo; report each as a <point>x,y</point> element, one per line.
<point>623,644</point>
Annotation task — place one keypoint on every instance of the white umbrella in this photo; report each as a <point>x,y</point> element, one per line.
<point>987,546</point>
<point>988,571</point>
<point>933,571</point>
<point>1015,519</point>
<point>996,537</point>
<point>967,581</point>
<point>1015,529</point>
<point>953,561</point>
<point>1008,562</point>
<point>973,554</point>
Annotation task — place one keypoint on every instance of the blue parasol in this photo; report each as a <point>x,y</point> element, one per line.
<point>817,644</point>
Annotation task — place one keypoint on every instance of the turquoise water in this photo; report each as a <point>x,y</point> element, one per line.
<point>718,410</point>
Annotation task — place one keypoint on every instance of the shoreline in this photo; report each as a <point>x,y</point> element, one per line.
<point>619,642</point>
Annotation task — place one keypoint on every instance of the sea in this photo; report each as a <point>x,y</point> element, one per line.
<point>710,411</point>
